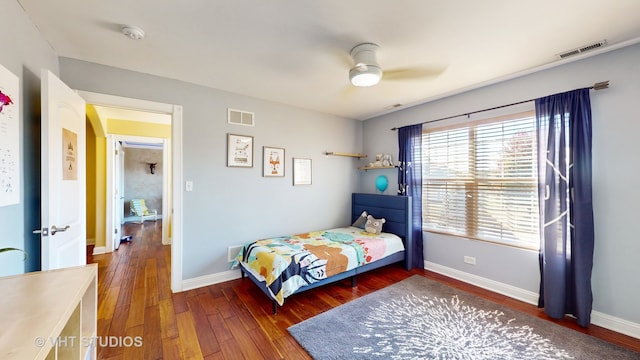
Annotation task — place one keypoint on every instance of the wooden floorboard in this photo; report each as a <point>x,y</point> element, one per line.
<point>233,320</point>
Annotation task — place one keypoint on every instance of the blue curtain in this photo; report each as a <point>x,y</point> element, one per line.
<point>410,184</point>
<point>565,203</point>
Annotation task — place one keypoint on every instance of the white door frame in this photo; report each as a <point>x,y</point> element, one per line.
<point>175,210</point>
<point>115,177</point>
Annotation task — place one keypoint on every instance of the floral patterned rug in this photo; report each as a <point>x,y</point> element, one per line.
<point>422,319</point>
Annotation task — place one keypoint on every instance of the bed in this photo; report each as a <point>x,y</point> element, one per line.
<point>301,262</point>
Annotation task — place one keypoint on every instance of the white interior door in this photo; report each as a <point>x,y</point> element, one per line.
<point>63,163</point>
<point>118,193</point>
<point>121,155</point>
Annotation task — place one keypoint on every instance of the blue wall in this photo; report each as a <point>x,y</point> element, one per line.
<point>616,194</point>
<point>231,206</point>
<point>24,53</point>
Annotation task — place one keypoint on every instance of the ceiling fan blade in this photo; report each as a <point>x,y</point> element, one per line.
<point>414,73</point>
<point>350,91</point>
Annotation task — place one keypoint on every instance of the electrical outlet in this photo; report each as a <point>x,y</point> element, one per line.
<point>470,260</point>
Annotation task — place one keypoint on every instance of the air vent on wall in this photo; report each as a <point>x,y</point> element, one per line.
<point>582,49</point>
<point>232,252</point>
<point>239,117</point>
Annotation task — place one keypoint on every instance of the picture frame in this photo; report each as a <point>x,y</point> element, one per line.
<point>239,151</point>
<point>301,171</point>
<point>273,161</point>
<point>10,159</point>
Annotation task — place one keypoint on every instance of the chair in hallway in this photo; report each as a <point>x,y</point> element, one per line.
<point>139,209</point>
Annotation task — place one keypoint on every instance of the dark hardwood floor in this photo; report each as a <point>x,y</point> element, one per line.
<point>231,320</point>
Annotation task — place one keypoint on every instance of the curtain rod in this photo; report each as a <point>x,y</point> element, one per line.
<point>597,86</point>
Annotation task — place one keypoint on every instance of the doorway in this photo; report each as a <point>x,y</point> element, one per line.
<point>142,172</point>
<point>172,175</point>
<point>140,169</point>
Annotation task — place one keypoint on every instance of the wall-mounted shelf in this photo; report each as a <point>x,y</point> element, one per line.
<point>333,153</point>
<point>376,167</point>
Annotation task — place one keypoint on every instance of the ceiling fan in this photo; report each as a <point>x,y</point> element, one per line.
<point>367,72</point>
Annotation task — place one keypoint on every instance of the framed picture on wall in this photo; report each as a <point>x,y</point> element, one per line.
<point>301,171</point>
<point>272,161</point>
<point>9,138</point>
<point>239,150</point>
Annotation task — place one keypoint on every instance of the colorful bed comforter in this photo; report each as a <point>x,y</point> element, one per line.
<point>290,262</point>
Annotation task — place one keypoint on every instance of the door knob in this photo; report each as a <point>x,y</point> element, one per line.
<point>55,229</point>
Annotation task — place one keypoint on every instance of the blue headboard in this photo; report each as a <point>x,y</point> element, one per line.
<point>395,209</point>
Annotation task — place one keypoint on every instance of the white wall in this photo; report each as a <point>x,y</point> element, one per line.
<point>24,53</point>
<point>616,169</point>
<point>231,206</point>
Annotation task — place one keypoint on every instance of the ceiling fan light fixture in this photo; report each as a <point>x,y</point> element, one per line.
<point>366,71</point>
<point>369,76</point>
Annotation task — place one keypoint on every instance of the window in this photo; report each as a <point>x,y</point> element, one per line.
<point>480,180</point>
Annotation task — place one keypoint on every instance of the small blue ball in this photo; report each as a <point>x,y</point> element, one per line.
<point>382,182</point>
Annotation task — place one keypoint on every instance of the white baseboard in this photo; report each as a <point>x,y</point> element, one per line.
<point>206,280</point>
<point>495,286</point>
<point>99,250</point>
<point>616,324</point>
<point>597,318</point>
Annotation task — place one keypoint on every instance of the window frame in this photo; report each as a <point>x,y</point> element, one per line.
<point>471,183</point>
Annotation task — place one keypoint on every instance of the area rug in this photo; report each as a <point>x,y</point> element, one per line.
<point>418,318</point>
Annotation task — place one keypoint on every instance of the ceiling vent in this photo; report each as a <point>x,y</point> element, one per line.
<point>583,49</point>
<point>239,117</point>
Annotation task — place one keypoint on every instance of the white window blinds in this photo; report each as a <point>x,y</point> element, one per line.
<point>480,180</point>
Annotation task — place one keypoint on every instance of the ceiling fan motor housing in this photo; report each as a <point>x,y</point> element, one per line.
<point>365,71</point>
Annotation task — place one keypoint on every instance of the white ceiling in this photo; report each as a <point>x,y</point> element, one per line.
<point>296,52</point>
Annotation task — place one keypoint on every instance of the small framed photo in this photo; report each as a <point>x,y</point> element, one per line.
<point>239,151</point>
<point>272,161</point>
<point>301,171</point>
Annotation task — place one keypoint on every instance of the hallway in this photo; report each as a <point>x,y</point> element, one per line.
<point>134,294</point>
